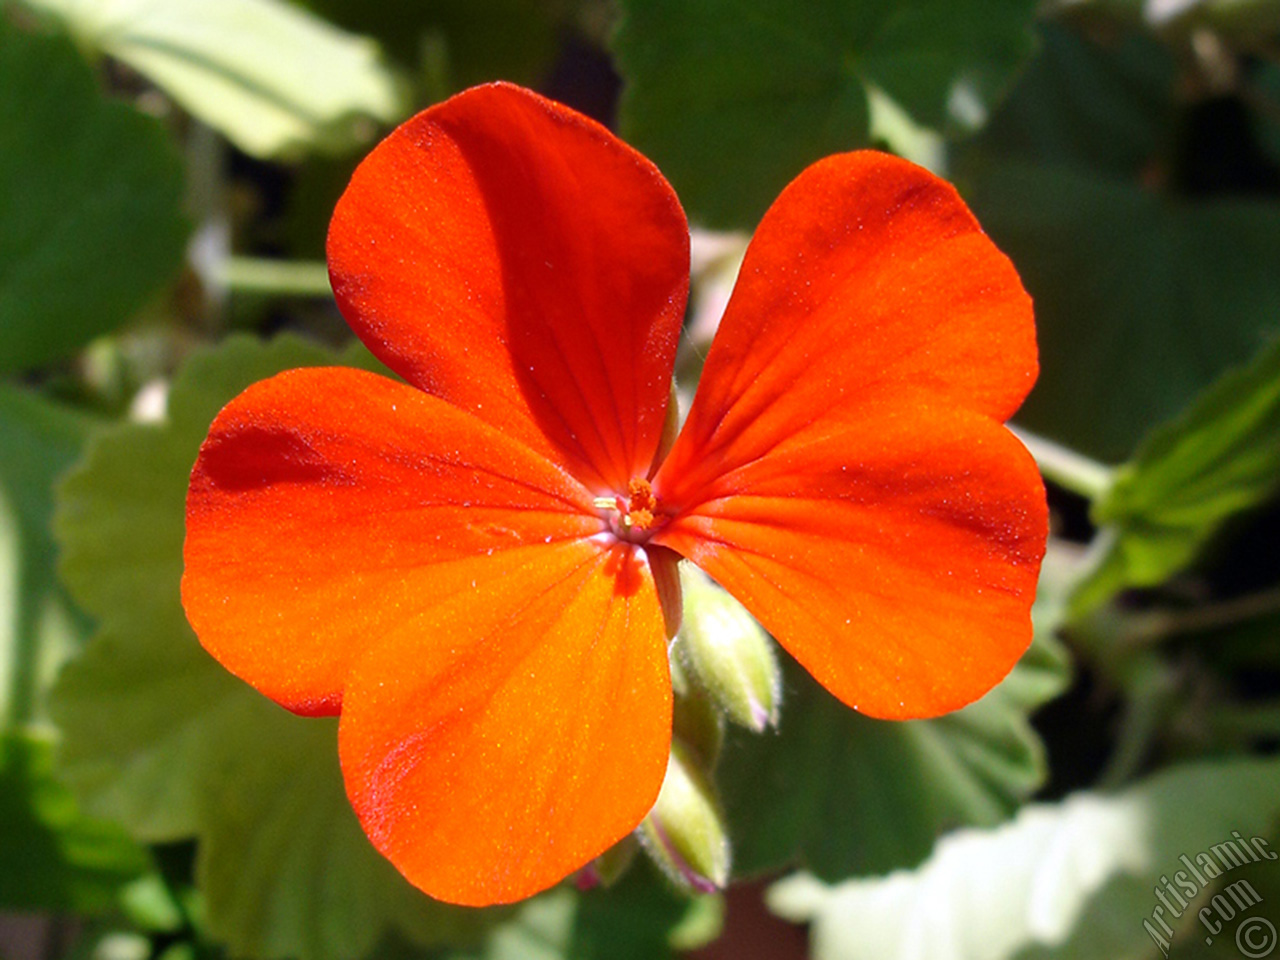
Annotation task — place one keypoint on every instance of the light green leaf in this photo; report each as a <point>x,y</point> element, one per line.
<point>159,737</point>
<point>274,79</point>
<point>90,195</point>
<point>733,98</point>
<point>1219,458</point>
<point>38,625</point>
<point>846,795</point>
<point>1142,297</point>
<point>52,858</point>
<point>1069,880</point>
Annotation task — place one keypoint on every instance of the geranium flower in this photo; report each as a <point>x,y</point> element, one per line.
<point>472,567</point>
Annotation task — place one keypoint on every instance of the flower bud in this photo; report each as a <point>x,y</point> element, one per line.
<point>728,654</point>
<point>684,833</point>
<point>695,719</point>
<point>606,869</point>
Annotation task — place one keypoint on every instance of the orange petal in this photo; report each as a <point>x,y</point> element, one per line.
<point>893,549</point>
<point>501,741</point>
<point>515,258</point>
<point>868,275</point>
<point>329,505</point>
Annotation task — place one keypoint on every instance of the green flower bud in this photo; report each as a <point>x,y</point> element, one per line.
<point>608,868</point>
<point>728,653</point>
<point>695,719</point>
<point>684,833</point>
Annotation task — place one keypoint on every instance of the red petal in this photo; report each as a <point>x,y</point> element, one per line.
<point>525,737</point>
<point>894,552</point>
<point>328,506</point>
<point>867,276</point>
<point>515,258</point>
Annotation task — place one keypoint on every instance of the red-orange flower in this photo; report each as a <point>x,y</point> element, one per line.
<point>467,567</point>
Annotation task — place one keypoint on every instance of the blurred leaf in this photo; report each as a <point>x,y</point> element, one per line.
<point>1140,302</point>
<point>189,750</point>
<point>271,77</point>
<point>90,195</point>
<point>1069,880</point>
<point>52,858</point>
<point>38,626</point>
<point>847,795</point>
<point>485,39</point>
<point>631,920</point>
<point>1250,643</point>
<point>733,98</point>
<point>1142,298</point>
<point>1104,107</point>
<point>1266,116</point>
<point>1242,21</point>
<point>1221,457</point>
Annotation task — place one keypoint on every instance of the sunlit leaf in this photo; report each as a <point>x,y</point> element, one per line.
<point>846,795</point>
<point>271,77</point>
<point>189,750</point>
<point>1219,458</point>
<point>1071,881</point>
<point>90,195</point>
<point>733,98</point>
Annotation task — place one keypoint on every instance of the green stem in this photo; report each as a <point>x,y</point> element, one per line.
<point>289,278</point>
<point>1153,626</point>
<point>1066,468</point>
<point>1261,721</point>
<point>1151,688</point>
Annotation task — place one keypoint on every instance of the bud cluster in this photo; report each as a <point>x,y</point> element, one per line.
<point>722,667</point>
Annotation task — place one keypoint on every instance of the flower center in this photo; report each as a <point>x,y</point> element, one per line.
<point>633,517</point>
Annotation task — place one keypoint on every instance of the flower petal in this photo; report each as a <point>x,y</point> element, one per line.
<point>893,549</point>
<point>868,275</point>
<point>515,258</point>
<point>529,736</point>
<point>327,505</point>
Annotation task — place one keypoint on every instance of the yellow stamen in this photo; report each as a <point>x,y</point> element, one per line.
<point>635,511</point>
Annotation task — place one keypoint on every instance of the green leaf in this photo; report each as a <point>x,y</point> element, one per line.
<point>733,98</point>
<point>1140,302</point>
<point>160,738</point>
<point>1142,297</point>
<point>484,39</point>
<point>848,795</point>
<point>636,919</point>
<point>90,194</point>
<point>1103,108</point>
<point>51,858</point>
<point>1070,880</point>
<point>274,79</point>
<point>38,625</point>
<point>1218,459</point>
